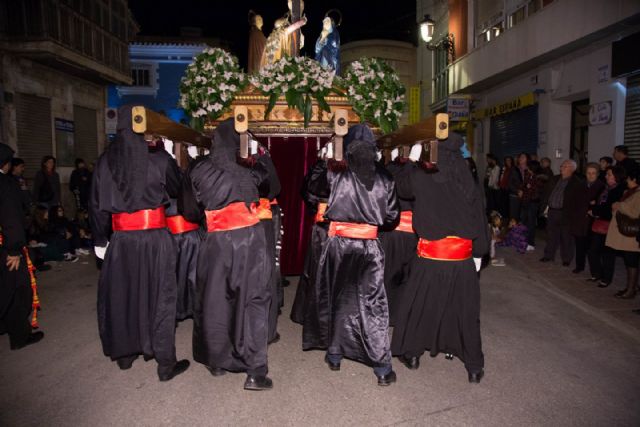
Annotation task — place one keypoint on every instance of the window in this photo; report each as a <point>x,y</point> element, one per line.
<point>517,17</point>
<point>144,78</point>
<point>140,76</point>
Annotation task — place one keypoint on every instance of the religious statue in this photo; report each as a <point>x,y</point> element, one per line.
<point>257,42</point>
<point>295,13</point>
<point>328,44</point>
<point>278,43</point>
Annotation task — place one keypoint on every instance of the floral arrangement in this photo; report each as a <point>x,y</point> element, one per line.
<point>375,92</point>
<point>300,80</point>
<point>210,84</point>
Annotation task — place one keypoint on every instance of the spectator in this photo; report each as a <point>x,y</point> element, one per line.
<point>80,184</point>
<point>17,171</point>
<point>601,258</point>
<point>64,228</point>
<point>545,170</point>
<point>530,202</point>
<point>515,185</point>
<point>627,247</point>
<point>46,186</point>
<point>505,176</point>
<point>81,224</point>
<point>580,219</point>
<point>53,246</point>
<point>605,163</point>
<point>492,183</point>
<point>621,154</point>
<point>561,194</point>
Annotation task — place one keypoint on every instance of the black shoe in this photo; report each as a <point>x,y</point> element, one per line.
<point>125,363</point>
<point>475,377</point>
<point>566,264</point>
<point>602,284</point>
<point>258,383</point>
<point>285,283</point>
<point>620,293</point>
<point>412,363</point>
<point>332,366</point>
<point>32,339</point>
<point>593,279</point>
<point>275,339</point>
<point>636,311</point>
<point>577,271</point>
<point>545,259</point>
<point>448,356</point>
<point>216,372</point>
<point>178,368</point>
<point>385,380</point>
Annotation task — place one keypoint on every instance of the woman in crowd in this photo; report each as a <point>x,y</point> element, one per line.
<point>581,224</point>
<point>601,258</point>
<point>625,246</point>
<point>529,195</point>
<point>516,179</point>
<point>46,185</point>
<point>505,175</point>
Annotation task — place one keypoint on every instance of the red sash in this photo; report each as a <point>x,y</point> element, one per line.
<point>231,217</point>
<point>264,209</point>
<point>448,249</point>
<point>322,208</point>
<point>146,219</point>
<point>178,224</point>
<point>406,222</point>
<point>353,230</point>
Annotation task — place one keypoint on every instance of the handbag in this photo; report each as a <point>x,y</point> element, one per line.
<point>627,226</point>
<point>600,226</point>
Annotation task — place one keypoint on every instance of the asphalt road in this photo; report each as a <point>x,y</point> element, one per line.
<point>548,362</point>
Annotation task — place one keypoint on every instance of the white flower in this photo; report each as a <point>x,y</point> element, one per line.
<point>358,97</point>
<point>233,88</point>
<point>217,107</point>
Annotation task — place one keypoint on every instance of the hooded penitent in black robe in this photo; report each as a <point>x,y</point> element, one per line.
<point>231,310</point>
<point>441,302</point>
<point>315,190</point>
<point>15,287</point>
<point>399,246</point>
<point>348,304</point>
<point>270,189</point>
<point>137,285</point>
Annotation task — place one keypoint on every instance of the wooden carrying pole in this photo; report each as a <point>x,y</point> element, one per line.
<point>148,121</point>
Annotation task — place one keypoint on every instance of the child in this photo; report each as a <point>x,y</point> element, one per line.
<point>516,236</point>
<point>496,237</point>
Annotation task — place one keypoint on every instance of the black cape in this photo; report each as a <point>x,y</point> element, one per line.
<point>231,310</point>
<point>442,298</point>
<point>348,303</point>
<point>137,285</point>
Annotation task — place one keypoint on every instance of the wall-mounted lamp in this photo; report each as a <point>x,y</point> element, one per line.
<point>426,28</point>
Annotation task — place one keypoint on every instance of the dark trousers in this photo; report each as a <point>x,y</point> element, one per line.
<point>493,200</point>
<point>503,203</point>
<point>582,247</point>
<point>558,235</point>
<point>514,207</point>
<point>529,217</point>
<point>15,294</point>
<point>601,258</point>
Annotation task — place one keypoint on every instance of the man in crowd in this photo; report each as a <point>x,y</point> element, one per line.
<point>562,193</point>
<point>80,184</point>
<point>137,285</point>
<point>15,287</point>
<point>621,154</point>
<point>605,163</point>
<point>492,183</point>
<point>231,311</point>
<point>442,296</point>
<point>350,296</point>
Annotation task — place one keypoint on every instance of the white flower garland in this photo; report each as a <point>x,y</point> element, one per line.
<point>210,84</point>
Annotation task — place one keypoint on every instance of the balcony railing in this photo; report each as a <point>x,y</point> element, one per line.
<point>99,33</point>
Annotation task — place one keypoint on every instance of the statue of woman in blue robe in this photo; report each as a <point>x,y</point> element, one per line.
<point>328,46</point>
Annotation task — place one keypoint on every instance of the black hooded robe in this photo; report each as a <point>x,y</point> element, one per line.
<point>399,246</point>
<point>231,310</point>
<point>15,286</point>
<point>442,298</point>
<point>137,285</point>
<point>315,190</point>
<point>348,306</point>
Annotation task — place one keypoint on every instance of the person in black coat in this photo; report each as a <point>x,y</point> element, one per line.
<point>562,193</point>
<point>516,178</point>
<point>580,220</point>
<point>621,154</point>
<point>80,184</point>
<point>15,286</point>
<point>46,185</point>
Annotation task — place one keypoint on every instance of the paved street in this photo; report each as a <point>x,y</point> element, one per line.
<point>550,360</point>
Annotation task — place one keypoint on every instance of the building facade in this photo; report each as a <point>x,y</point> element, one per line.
<point>539,76</point>
<point>58,57</point>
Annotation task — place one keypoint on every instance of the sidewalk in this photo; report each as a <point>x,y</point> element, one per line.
<point>577,290</point>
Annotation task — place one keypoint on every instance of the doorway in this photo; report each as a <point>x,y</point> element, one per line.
<point>580,133</point>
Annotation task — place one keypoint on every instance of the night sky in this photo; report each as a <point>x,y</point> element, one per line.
<point>362,19</point>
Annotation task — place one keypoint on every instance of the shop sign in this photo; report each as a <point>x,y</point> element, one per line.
<point>63,125</point>
<point>600,113</point>
<point>506,107</point>
<point>458,109</point>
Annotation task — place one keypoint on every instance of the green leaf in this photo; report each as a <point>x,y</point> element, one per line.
<point>307,110</point>
<point>323,104</point>
<point>292,98</point>
<point>273,98</point>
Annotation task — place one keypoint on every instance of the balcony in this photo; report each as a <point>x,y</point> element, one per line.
<point>85,38</point>
<point>562,27</point>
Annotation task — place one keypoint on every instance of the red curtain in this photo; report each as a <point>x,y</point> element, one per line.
<point>292,157</point>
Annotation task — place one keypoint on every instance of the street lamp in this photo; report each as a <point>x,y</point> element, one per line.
<point>426,29</point>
